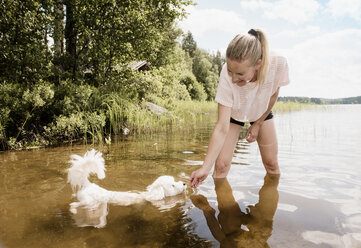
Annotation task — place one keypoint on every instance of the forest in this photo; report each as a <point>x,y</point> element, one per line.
<point>66,69</point>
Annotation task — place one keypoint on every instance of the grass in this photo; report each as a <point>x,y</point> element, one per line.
<point>192,111</point>
<point>291,106</point>
<point>184,114</point>
<point>122,115</point>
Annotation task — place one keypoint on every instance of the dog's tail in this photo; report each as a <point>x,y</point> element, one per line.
<point>81,167</point>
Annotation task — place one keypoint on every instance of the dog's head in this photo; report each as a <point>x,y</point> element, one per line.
<point>164,186</point>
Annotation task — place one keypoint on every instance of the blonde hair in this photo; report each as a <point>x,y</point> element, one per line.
<point>252,46</point>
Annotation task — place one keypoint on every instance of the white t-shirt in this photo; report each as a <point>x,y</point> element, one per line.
<point>247,102</point>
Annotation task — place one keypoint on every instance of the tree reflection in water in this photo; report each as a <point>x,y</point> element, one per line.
<point>234,228</point>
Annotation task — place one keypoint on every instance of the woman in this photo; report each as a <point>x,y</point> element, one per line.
<point>248,89</point>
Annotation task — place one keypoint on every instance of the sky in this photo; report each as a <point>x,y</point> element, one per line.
<point>320,39</point>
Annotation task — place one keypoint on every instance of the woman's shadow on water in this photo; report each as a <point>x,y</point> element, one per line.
<point>234,228</point>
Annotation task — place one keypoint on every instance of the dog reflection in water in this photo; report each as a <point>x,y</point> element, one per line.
<point>85,216</point>
<point>93,199</point>
<point>234,228</point>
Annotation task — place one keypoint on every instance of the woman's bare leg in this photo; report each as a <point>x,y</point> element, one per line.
<point>268,146</point>
<point>224,159</point>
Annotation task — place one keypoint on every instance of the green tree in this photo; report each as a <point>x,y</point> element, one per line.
<point>205,73</point>
<point>195,89</point>
<point>218,60</point>
<point>189,44</point>
<point>205,67</point>
<point>58,37</point>
<point>24,49</point>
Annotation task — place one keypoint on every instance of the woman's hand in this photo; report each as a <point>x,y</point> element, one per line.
<point>198,176</point>
<point>252,132</point>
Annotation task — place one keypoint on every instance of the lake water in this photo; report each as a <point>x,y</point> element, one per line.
<point>315,203</point>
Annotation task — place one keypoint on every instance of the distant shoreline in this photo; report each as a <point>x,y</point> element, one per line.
<point>315,100</point>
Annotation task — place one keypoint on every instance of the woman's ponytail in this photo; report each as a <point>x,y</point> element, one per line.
<point>261,76</point>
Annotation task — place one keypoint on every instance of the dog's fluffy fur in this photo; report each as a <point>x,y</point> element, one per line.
<point>91,195</point>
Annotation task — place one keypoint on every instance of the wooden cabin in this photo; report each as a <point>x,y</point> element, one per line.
<point>140,65</point>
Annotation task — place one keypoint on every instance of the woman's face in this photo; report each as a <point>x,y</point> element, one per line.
<point>242,72</point>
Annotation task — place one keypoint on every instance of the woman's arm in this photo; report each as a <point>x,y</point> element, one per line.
<point>215,145</point>
<point>252,132</point>
<point>218,136</point>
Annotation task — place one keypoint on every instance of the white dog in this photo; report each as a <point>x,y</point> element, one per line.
<point>91,195</point>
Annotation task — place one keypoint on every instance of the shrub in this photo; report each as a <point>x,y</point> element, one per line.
<point>195,89</point>
<point>76,126</point>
